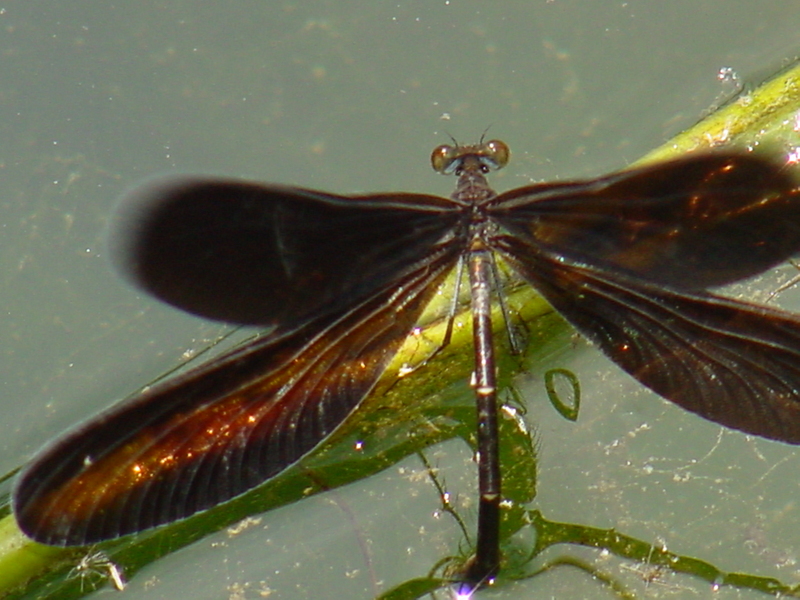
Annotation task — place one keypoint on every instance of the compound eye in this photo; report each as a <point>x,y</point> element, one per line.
<point>444,159</point>
<point>496,153</point>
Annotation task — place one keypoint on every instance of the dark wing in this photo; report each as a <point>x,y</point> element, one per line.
<point>734,363</point>
<point>692,223</point>
<point>220,430</point>
<point>270,255</point>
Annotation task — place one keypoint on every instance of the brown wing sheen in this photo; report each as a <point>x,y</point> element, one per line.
<point>192,443</point>
<point>270,255</point>
<point>692,223</point>
<point>731,362</point>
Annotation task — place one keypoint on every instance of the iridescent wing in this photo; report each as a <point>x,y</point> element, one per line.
<point>270,255</point>
<point>222,429</point>
<point>630,279</point>
<point>692,223</point>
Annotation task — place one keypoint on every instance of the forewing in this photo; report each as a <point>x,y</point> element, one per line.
<point>734,363</point>
<point>692,223</point>
<point>270,255</point>
<point>220,430</point>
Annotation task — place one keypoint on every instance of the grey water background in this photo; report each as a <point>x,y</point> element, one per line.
<point>351,97</point>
